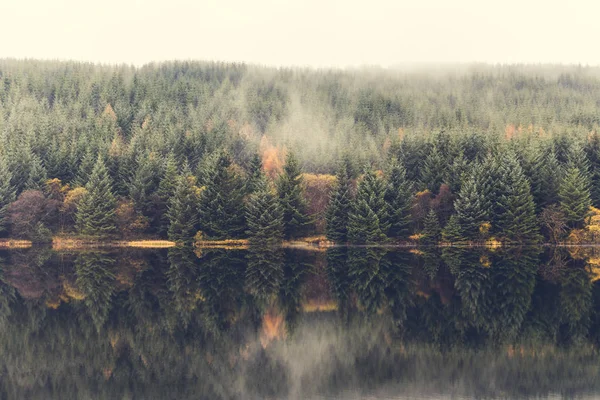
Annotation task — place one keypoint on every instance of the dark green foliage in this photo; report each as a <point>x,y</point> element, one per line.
<point>37,175</point>
<point>452,232</point>
<point>166,189</point>
<point>516,220</point>
<point>255,177</point>
<point>143,183</point>
<point>369,218</point>
<point>431,229</point>
<point>398,197</point>
<point>574,196</point>
<point>7,193</point>
<point>471,207</point>
<point>434,171</point>
<point>297,222</point>
<point>264,217</point>
<point>221,203</point>
<point>96,211</point>
<point>183,210</point>
<point>339,207</point>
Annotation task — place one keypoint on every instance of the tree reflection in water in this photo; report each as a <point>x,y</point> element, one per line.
<point>275,323</point>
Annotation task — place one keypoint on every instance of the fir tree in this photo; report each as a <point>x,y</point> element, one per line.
<point>517,219</point>
<point>338,209</point>
<point>431,228</point>
<point>96,211</point>
<point>221,203</point>
<point>37,175</point>
<point>399,197</point>
<point>255,177</point>
<point>182,209</point>
<point>452,232</point>
<point>297,222</point>
<point>368,219</point>
<point>434,170</point>
<point>574,196</point>
<point>7,192</point>
<point>470,207</point>
<point>143,183</point>
<point>166,189</point>
<point>264,216</point>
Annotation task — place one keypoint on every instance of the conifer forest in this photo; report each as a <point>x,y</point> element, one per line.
<point>192,150</point>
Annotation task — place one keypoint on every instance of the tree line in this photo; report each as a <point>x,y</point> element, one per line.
<point>236,151</point>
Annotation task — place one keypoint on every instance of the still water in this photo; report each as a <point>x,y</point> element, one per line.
<point>364,323</point>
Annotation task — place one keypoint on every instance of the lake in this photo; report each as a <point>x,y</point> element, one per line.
<point>341,323</point>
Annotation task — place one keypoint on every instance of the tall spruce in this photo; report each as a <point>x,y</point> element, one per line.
<point>254,180</point>
<point>222,201</point>
<point>166,189</point>
<point>369,219</point>
<point>264,216</point>
<point>37,174</point>
<point>7,193</point>
<point>182,209</point>
<point>339,206</point>
<point>517,219</point>
<point>431,228</point>
<point>96,211</point>
<point>398,196</point>
<point>297,222</point>
<point>471,207</point>
<point>574,196</point>
<point>434,171</point>
<point>452,232</point>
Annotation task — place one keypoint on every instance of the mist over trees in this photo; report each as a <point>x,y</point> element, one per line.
<point>488,152</point>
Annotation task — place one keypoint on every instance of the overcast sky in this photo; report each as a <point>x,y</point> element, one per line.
<point>320,33</point>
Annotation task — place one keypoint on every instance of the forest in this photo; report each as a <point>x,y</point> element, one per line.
<point>201,151</point>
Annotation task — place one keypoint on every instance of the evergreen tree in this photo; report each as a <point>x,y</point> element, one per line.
<point>221,203</point>
<point>592,150</point>
<point>7,192</point>
<point>574,196</point>
<point>86,165</point>
<point>338,209</point>
<point>398,197</point>
<point>264,216</point>
<point>182,209</point>
<point>470,207</point>
<point>143,183</point>
<point>452,232</point>
<point>517,219</point>
<point>297,222</point>
<point>434,170</point>
<point>96,211</point>
<point>431,228</point>
<point>254,180</point>
<point>369,220</point>
<point>166,189</point>
<point>37,175</point>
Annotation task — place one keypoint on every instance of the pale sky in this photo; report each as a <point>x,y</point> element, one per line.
<point>318,33</point>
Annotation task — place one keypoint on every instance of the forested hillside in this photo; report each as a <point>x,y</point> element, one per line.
<point>460,154</point>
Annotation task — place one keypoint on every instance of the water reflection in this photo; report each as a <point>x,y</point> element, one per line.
<point>274,323</point>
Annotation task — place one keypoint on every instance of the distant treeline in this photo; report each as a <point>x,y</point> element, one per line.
<point>233,151</point>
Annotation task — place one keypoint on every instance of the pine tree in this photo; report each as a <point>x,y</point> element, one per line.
<point>434,170</point>
<point>517,219</point>
<point>96,211</point>
<point>182,210</point>
<point>431,228</point>
<point>399,197</point>
<point>37,175</point>
<point>574,196</point>
<point>166,189</point>
<point>592,150</point>
<point>86,165</point>
<point>221,203</point>
<point>338,209</point>
<point>368,219</point>
<point>264,217</point>
<point>452,232</point>
<point>255,175</point>
<point>471,208</point>
<point>143,183</point>
<point>7,192</point>
<point>297,222</point>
